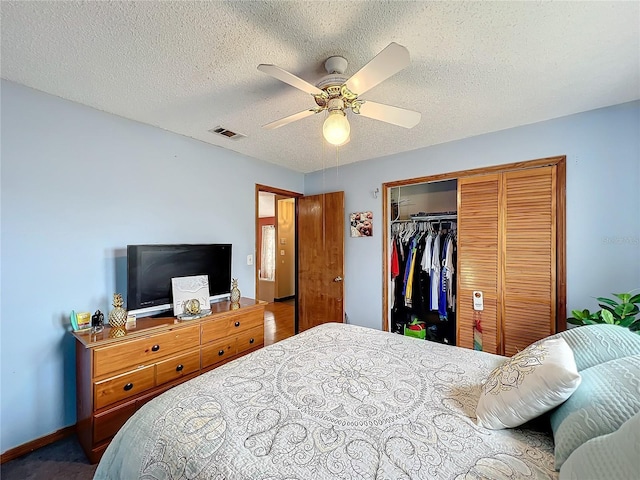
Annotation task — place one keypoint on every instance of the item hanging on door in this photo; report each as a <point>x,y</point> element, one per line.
<point>477,331</point>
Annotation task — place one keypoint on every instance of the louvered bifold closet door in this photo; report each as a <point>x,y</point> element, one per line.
<point>529,264</point>
<point>478,258</point>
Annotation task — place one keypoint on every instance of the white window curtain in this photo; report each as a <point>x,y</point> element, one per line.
<point>268,253</point>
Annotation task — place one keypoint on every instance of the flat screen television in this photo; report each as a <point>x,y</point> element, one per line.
<point>150,269</point>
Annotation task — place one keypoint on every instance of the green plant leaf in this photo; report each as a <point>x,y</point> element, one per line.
<point>626,322</point>
<point>625,309</point>
<point>635,299</point>
<point>608,301</point>
<point>574,321</point>
<point>581,314</point>
<point>623,296</point>
<point>606,308</point>
<point>607,316</point>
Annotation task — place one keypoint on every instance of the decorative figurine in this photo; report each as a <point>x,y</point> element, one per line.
<point>192,306</point>
<point>118,316</point>
<point>97,322</point>
<point>235,292</point>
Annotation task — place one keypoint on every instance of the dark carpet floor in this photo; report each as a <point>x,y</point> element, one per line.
<point>63,459</point>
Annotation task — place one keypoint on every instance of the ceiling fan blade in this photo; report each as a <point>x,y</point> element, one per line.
<point>289,78</point>
<point>386,113</point>
<point>289,119</point>
<point>388,62</point>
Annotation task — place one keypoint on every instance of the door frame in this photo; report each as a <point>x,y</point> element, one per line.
<point>561,258</point>
<point>283,193</point>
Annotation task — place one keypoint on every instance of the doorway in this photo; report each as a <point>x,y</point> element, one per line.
<point>309,229</point>
<point>275,252</point>
<point>276,259</point>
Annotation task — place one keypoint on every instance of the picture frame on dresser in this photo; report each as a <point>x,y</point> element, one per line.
<point>188,288</point>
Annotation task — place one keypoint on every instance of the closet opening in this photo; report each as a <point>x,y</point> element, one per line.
<point>495,279</point>
<point>423,240</point>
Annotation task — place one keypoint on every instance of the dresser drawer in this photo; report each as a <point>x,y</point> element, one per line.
<point>215,330</point>
<point>218,352</point>
<point>143,351</point>
<point>176,367</point>
<point>108,423</point>
<point>250,339</point>
<point>231,325</point>
<point>246,322</point>
<point>123,386</point>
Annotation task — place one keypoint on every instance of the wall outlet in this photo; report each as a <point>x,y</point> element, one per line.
<point>249,259</point>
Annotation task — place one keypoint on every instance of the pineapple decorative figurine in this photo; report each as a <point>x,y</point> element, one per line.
<point>235,293</point>
<point>118,316</point>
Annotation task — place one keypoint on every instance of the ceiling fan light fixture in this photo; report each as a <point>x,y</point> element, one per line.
<point>336,128</point>
<point>335,93</point>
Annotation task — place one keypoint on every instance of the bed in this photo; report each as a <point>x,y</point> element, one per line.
<point>335,402</point>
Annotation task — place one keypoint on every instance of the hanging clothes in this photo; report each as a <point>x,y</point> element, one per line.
<point>422,266</point>
<point>449,269</point>
<point>395,263</point>
<point>435,273</point>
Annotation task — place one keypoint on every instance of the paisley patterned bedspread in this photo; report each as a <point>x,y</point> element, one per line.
<point>335,402</point>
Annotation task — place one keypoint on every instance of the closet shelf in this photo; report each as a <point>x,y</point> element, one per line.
<point>428,218</point>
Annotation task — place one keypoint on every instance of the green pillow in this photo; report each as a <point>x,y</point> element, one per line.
<point>614,455</point>
<point>608,396</point>
<point>595,344</point>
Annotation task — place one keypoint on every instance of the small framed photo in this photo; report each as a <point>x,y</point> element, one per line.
<point>361,224</point>
<point>83,321</point>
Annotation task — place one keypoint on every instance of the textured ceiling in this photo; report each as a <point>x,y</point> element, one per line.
<point>188,67</point>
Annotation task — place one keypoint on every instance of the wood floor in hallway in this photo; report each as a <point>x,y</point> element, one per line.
<point>279,318</point>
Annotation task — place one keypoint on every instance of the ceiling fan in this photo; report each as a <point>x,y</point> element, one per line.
<point>337,93</point>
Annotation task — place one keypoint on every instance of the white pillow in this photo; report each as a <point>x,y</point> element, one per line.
<point>530,383</point>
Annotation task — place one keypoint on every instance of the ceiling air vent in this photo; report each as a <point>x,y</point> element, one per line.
<point>227,133</point>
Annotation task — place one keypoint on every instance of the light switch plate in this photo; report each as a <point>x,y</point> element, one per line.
<point>249,259</point>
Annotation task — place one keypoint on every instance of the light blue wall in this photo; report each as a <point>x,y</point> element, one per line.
<point>603,199</point>
<point>78,185</point>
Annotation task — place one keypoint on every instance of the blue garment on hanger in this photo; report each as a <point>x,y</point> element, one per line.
<point>442,293</point>
<point>408,267</point>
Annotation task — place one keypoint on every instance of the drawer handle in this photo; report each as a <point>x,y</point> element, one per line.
<point>128,387</point>
<point>155,348</point>
<point>221,352</point>
<point>251,340</point>
<point>237,324</point>
<point>179,368</point>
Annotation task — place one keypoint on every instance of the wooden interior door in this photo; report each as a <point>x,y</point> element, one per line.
<point>529,264</point>
<point>320,259</point>
<point>478,259</point>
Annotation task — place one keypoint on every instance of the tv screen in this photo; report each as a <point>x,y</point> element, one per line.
<point>150,269</point>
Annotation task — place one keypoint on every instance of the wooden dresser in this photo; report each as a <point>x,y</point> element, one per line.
<point>115,376</point>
